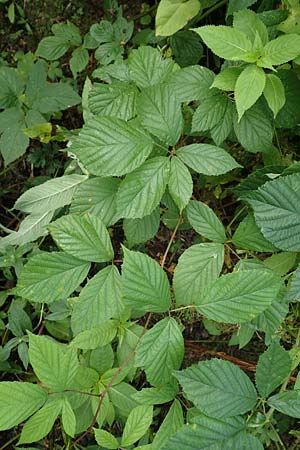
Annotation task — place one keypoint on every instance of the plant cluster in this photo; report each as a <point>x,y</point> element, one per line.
<point>94,325</point>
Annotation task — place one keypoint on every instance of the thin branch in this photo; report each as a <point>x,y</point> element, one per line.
<point>163,261</point>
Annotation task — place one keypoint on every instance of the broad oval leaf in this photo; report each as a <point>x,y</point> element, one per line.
<point>84,237</point>
<point>138,422</point>
<point>110,146</point>
<point>248,88</point>
<point>48,277</point>
<point>160,351</point>
<point>210,384</point>
<point>239,297</point>
<point>180,183</point>
<point>141,191</point>
<point>191,83</point>
<point>106,439</point>
<point>248,236</point>
<point>96,337</point>
<point>172,15</point>
<point>197,268</point>
<point>145,284</point>
<point>205,222</point>
<point>276,211</point>
<point>19,400</point>
<point>207,159</point>
<point>287,402</point>
<point>141,230</point>
<point>280,50</point>
<point>274,93</point>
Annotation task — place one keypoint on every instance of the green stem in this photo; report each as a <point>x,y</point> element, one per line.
<point>9,442</point>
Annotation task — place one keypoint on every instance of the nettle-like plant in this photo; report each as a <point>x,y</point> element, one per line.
<point>140,153</point>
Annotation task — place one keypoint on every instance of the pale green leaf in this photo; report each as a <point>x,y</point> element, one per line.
<point>156,396</point>
<point>98,197</point>
<point>197,268</point>
<point>226,79</point>
<point>276,211</point>
<point>145,284</point>
<point>110,146</point>
<point>248,236</point>
<point>96,337</point>
<point>287,403</point>
<point>19,400</point>
<point>281,263</point>
<point>121,397</point>
<point>273,368</point>
<point>207,159</point>
<point>160,113</point>
<point>172,422</point>
<point>137,424</point>
<point>226,42</point>
<point>99,300</point>
<point>160,351</point>
<point>274,93</point>
<point>172,15</point>
<point>210,384</point>
<point>147,67</point>
<point>249,23</point>
<point>41,423</point>
<point>106,439</point>
<point>141,191</point>
<point>141,230</point>
<point>239,296</point>
<point>205,222</point>
<point>50,195</point>
<point>84,237</point>
<point>54,364</point>
<point>280,50</point>
<point>248,88</point>
<point>68,418</point>
<point>180,183</point>
<point>48,277</point>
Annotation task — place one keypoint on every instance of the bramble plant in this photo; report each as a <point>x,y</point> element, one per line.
<point>100,322</point>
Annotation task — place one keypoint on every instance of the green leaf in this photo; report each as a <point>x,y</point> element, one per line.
<point>172,15</point>
<point>50,195</point>
<point>248,236</point>
<point>145,284</point>
<point>210,112</point>
<point>116,99</point>
<point>226,79</point>
<point>41,423</point>
<point>11,87</point>
<point>160,113</point>
<point>68,418</point>
<point>239,296</point>
<point>141,230</point>
<point>276,211</point>
<point>54,364</point>
<point>249,23</point>
<point>226,42</point>
<point>274,93</point>
<point>223,128</point>
<point>210,384</point>
<point>248,88</point>
<point>84,237</point>
<point>55,97</point>
<point>254,131</point>
<point>186,48</point>
<point>147,67</point>
<point>205,222</point>
<point>13,143</point>
<point>156,396</point>
<point>281,263</point>
<point>237,5</point>
<point>141,191</point>
<point>79,60</point>
<point>172,422</point>
<point>96,337</point>
<point>11,12</point>
<point>99,300</point>
<point>207,159</point>
<point>52,47</point>
<point>68,32</point>
<point>191,83</point>
<point>137,424</point>
<point>121,397</point>
<point>97,196</point>
<point>48,277</point>
<point>270,320</point>
<point>106,439</point>
<point>289,115</point>
<point>110,146</point>
<point>287,403</point>
<point>160,351</point>
<point>180,183</point>
<point>294,292</point>
<point>19,400</point>
<point>197,268</point>
<point>273,368</point>
<point>280,50</point>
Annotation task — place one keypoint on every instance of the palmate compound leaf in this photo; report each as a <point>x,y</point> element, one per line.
<point>160,351</point>
<point>145,284</point>
<point>210,384</point>
<point>207,159</point>
<point>239,297</point>
<point>19,400</point>
<point>273,368</point>
<point>54,364</point>
<point>99,300</point>
<point>205,222</point>
<point>172,15</point>
<point>276,211</point>
<point>50,195</point>
<point>48,277</point>
<point>141,191</point>
<point>197,268</point>
<point>110,146</point>
<point>137,424</point>
<point>208,433</point>
<point>84,237</point>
